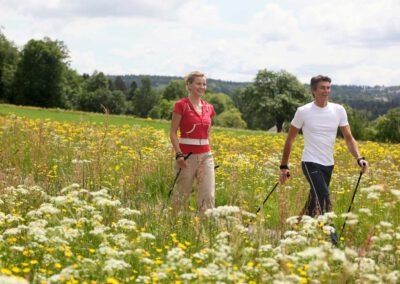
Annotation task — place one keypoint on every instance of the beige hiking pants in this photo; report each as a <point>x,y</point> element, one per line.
<point>201,168</point>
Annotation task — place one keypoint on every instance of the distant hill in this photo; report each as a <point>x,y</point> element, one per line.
<point>377,100</point>
<point>159,82</point>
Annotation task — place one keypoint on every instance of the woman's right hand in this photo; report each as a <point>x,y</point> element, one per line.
<point>181,162</point>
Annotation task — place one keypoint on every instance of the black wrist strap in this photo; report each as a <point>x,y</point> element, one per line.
<point>283,167</point>
<point>359,159</point>
<point>179,155</point>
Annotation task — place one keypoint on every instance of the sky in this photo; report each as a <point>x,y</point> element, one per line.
<point>354,42</point>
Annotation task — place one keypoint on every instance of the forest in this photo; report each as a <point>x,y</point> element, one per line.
<point>39,74</point>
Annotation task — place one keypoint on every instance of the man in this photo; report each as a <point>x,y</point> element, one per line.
<point>319,121</point>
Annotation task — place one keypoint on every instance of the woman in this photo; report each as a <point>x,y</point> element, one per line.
<point>193,116</point>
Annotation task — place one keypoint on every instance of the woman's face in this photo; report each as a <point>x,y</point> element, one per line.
<point>198,86</point>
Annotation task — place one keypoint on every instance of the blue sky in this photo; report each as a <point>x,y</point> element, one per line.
<point>352,41</point>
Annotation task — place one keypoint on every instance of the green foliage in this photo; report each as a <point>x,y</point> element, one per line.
<point>97,81</point>
<point>131,92</point>
<point>163,110</point>
<point>97,94</point>
<point>221,102</point>
<point>388,126</point>
<point>72,88</point>
<point>8,65</point>
<point>376,100</point>
<point>119,84</point>
<point>175,90</point>
<point>272,99</point>
<point>144,99</point>
<point>359,122</point>
<point>39,74</point>
<point>230,118</point>
<point>113,101</point>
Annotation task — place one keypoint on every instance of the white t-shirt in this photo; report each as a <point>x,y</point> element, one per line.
<point>319,127</point>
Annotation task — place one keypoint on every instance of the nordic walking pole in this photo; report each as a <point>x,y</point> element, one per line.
<point>351,203</point>
<point>269,194</point>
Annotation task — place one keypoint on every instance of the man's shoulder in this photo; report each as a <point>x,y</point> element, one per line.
<point>335,106</point>
<point>305,107</point>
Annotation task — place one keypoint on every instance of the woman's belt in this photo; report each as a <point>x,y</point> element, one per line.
<point>191,141</point>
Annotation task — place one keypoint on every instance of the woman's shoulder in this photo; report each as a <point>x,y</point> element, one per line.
<point>182,102</point>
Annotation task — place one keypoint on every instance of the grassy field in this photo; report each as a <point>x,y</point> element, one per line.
<point>84,199</point>
<point>76,116</point>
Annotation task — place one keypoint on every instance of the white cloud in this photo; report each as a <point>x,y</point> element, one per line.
<point>94,8</point>
<point>353,41</point>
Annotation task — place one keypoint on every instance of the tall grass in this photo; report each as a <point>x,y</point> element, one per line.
<point>78,182</point>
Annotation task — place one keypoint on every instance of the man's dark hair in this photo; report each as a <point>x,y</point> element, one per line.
<point>320,78</point>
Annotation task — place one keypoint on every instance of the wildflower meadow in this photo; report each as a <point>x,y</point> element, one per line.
<point>88,202</point>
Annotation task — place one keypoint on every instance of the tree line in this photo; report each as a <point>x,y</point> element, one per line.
<point>39,74</point>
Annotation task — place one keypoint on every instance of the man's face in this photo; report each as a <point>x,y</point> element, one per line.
<point>321,92</point>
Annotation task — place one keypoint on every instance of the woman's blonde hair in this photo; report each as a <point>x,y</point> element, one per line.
<point>189,78</point>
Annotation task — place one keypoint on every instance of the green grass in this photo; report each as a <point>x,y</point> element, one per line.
<point>77,116</point>
<point>99,118</point>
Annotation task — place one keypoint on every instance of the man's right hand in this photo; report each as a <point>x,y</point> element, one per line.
<point>283,175</point>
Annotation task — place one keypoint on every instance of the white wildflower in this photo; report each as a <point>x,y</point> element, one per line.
<point>292,220</point>
<point>12,232</point>
<point>121,240</point>
<point>312,252</point>
<point>60,200</point>
<point>372,188</point>
<point>327,217</point>
<point>387,247</point>
<point>268,262</point>
<point>47,208</point>
<point>108,251</point>
<point>265,248</point>
<point>17,248</point>
<point>367,265</point>
<point>289,234</point>
<point>188,276</point>
<point>339,255</point>
<point>149,236</point>
<point>395,192</point>
<point>12,280</point>
<point>143,279</point>
<point>373,195</point>
<point>222,211</point>
<point>112,265</point>
<point>101,193</point>
<point>329,229</point>
<point>125,223</point>
<point>351,222</point>
<point>128,212</point>
<point>298,240</point>
<point>385,224</point>
<point>80,162</point>
<point>385,237</point>
<point>349,215</point>
<point>370,278</point>
<point>99,230</point>
<point>365,211</point>
<point>68,222</point>
<point>393,277</point>
<point>37,231</point>
<point>73,186</point>
<point>248,214</point>
<point>350,252</point>
<point>105,202</point>
<point>146,261</point>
